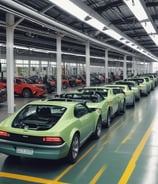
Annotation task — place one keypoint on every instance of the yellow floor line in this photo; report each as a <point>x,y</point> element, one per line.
<point>97,176</point>
<point>132,163</point>
<point>27,178</point>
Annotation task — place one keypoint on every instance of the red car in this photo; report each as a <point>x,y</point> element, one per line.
<point>3,92</point>
<point>26,89</point>
<point>23,88</point>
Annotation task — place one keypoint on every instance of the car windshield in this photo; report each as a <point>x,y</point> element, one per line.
<point>38,117</point>
<point>103,92</point>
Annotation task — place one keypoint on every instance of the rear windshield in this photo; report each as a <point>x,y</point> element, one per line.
<point>38,117</point>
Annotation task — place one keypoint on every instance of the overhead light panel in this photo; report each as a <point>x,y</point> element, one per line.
<point>92,20</point>
<point>148,26</point>
<point>137,9</point>
<point>71,8</point>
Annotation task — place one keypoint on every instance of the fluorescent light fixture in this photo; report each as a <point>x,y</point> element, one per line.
<point>154,37</point>
<point>137,9</point>
<point>147,25</point>
<point>135,6</point>
<point>71,8</point>
<point>96,24</point>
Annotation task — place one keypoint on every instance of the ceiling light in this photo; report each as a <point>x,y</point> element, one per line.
<point>147,25</point>
<point>71,8</point>
<point>92,19</point>
<point>137,9</point>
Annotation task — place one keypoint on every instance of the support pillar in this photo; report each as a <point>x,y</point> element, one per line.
<point>106,66</point>
<point>58,65</point>
<point>10,61</point>
<point>151,67</point>
<point>135,66</point>
<point>125,68</point>
<point>87,64</point>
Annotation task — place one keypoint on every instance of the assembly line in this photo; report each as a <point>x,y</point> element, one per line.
<point>124,151</point>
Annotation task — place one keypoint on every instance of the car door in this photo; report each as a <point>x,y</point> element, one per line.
<point>104,106</point>
<point>86,122</point>
<point>113,100</point>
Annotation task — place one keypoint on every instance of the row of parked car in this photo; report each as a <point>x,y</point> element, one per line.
<point>35,86</point>
<point>57,128</point>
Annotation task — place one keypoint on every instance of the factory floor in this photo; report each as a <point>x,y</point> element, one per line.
<point>127,152</point>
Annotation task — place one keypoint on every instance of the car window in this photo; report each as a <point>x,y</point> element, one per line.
<point>116,91</point>
<point>80,110</point>
<point>38,117</point>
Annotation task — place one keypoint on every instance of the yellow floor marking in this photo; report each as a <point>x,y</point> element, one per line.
<point>91,148</point>
<point>71,166</point>
<point>55,181</point>
<point>132,163</point>
<point>27,178</point>
<point>97,176</point>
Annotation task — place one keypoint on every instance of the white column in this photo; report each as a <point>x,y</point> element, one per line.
<point>87,64</point>
<point>58,65</point>
<point>106,66</point>
<point>10,61</point>
<point>144,71</point>
<point>151,67</point>
<point>134,66</point>
<point>125,68</point>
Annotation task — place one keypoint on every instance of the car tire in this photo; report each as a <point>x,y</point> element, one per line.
<point>108,121</point>
<point>123,110</point>
<point>139,96</point>
<point>133,104</point>
<point>119,109</point>
<point>98,129</point>
<point>26,93</point>
<point>74,149</point>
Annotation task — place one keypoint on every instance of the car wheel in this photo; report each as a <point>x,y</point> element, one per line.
<point>26,93</point>
<point>133,104</point>
<point>119,109</point>
<point>108,122</point>
<point>123,110</point>
<point>74,149</point>
<point>98,129</point>
<point>138,96</point>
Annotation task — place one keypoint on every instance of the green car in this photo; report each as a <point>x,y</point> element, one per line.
<point>129,94</point>
<point>49,129</point>
<point>113,96</point>
<point>144,86</point>
<point>133,85</point>
<point>94,100</point>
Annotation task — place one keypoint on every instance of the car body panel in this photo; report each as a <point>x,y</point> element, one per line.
<point>144,87</point>
<point>133,85</point>
<point>3,94</point>
<point>98,101</point>
<point>129,94</point>
<point>29,127</point>
<point>113,100</point>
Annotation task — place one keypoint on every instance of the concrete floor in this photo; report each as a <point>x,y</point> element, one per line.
<point>127,152</point>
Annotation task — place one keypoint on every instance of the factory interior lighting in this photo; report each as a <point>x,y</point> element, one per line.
<point>137,8</point>
<point>90,19</point>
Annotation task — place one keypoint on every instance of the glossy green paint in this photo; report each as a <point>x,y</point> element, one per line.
<point>65,128</point>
